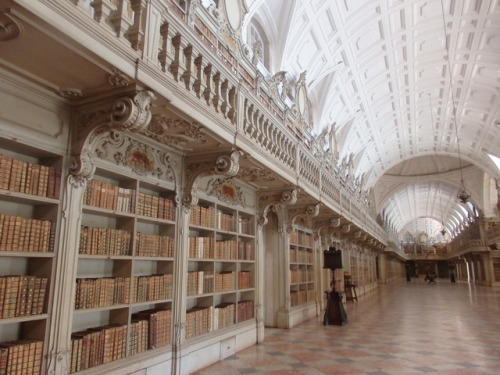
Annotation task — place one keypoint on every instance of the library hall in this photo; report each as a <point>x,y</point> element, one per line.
<point>204,187</point>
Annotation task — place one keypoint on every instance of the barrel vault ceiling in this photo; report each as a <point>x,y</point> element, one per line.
<point>386,73</point>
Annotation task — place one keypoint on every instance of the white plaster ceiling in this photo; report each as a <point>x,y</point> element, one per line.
<point>379,70</point>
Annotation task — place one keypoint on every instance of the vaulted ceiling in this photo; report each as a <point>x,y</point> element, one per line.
<point>391,75</point>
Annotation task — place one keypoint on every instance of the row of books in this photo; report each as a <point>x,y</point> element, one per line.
<point>112,197</point>
<point>202,319</point>
<point>29,178</point>
<point>100,292</point>
<point>301,276</point>
<point>224,315</point>
<point>155,206</point>
<point>225,281</point>
<point>158,327</point>
<point>152,288</point>
<point>246,250</point>
<point>201,247</point>
<point>231,249</point>
<point>245,310</point>
<point>18,233</point>
<point>245,226</point>
<point>226,249</point>
<point>245,280</point>
<point>96,346</point>
<point>225,222</point>
<point>202,216</point>
<point>104,241</point>
<point>138,337</point>
<point>299,297</point>
<point>198,321</point>
<point>301,238</point>
<point>200,282</point>
<point>211,218</point>
<point>22,357</point>
<point>22,295</point>
<point>151,245</point>
<point>301,256</point>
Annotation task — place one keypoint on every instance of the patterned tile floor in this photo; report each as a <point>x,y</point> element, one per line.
<point>400,329</point>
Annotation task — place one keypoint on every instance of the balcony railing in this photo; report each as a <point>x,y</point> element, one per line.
<point>183,49</point>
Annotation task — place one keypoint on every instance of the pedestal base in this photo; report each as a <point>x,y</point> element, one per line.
<point>334,313</point>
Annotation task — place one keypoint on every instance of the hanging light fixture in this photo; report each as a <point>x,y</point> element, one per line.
<point>463,195</point>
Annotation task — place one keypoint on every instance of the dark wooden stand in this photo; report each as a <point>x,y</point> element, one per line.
<point>334,313</point>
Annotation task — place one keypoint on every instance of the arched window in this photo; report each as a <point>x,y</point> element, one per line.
<point>259,44</point>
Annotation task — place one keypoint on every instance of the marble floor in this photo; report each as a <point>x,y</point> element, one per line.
<point>403,328</point>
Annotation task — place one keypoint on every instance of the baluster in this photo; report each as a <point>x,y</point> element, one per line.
<point>188,65</point>
<point>207,93</point>
<point>162,55</point>
<point>216,88</point>
<point>198,81</point>
<point>233,99</point>
<point>223,96</point>
<point>174,66</point>
<point>136,32</point>
<point>118,18</point>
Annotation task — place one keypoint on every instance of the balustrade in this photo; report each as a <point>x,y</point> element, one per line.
<point>190,54</point>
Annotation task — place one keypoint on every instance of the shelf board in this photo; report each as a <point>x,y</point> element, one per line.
<point>154,220</point>
<point>153,259</point>
<point>199,227</point>
<point>27,254</point>
<point>21,319</point>
<point>17,197</point>
<point>246,235</point>
<point>136,304</point>
<point>105,257</point>
<point>106,212</point>
<point>99,309</point>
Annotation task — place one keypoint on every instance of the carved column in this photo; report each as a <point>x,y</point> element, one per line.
<point>58,356</point>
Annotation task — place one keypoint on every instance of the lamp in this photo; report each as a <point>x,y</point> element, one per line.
<point>463,195</point>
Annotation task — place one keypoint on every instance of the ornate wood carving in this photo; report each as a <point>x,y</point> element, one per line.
<point>226,165</point>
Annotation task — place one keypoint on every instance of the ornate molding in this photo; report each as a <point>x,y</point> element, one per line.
<point>225,190</point>
<point>226,165</point>
<point>82,169</point>
<point>285,198</point>
<point>175,132</point>
<point>253,175</point>
<point>10,27</point>
<point>118,79</point>
<point>133,114</point>
<point>346,228</point>
<point>125,114</point>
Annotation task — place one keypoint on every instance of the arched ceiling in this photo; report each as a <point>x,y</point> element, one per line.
<point>379,69</point>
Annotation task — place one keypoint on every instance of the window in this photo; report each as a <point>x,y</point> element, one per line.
<point>259,44</point>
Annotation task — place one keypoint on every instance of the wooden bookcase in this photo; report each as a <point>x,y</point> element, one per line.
<point>124,290</point>
<point>30,206</point>
<point>221,268</point>
<point>301,256</point>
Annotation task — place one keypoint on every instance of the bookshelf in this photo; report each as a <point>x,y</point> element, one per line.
<point>124,282</point>
<point>301,268</point>
<point>221,268</point>
<point>30,185</point>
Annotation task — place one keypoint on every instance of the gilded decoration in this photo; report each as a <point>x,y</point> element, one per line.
<point>175,132</point>
<point>225,190</point>
<point>255,175</point>
<point>142,159</point>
